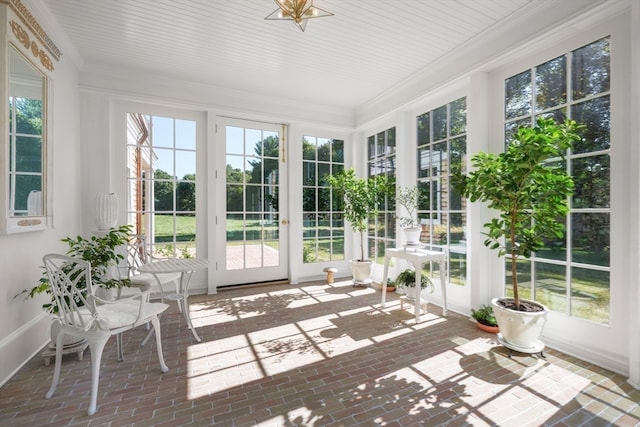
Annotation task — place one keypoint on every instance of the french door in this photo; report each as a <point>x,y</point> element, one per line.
<point>251,187</point>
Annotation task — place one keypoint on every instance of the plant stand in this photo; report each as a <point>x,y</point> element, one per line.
<point>417,257</point>
<point>77,348</point>
<point>537,348</point>
<point>411,300</point>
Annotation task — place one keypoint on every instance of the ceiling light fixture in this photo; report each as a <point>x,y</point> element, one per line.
<point>298,11</point>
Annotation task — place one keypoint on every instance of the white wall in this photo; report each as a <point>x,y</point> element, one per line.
<point>24,327</point>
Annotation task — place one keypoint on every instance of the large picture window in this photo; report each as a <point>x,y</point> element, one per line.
<point>441,149</point>
<point>572,275</point>
<point>381,160</point>
<point>323,233</point>
<point>162,179</point>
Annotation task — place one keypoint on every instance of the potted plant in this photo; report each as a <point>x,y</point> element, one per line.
<point>103,255</point>
<point>407,280</point>
<point>407,198</point>
<point>361,199</point>
<point>529,188</point>
<point>485,319</point>
<point>391,285</point>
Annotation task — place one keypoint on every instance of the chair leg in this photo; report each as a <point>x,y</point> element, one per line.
<point>156,327</point>
<point>119,347</point>
<point>97,346</point>
<point>58,365</point>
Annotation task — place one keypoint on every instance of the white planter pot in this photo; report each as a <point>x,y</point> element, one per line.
<point>520,330</point>
<point>412,235</point>
<point>361,271</point>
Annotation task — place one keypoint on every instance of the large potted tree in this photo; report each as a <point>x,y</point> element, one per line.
<point>529,187</point>
<point>362,198</point>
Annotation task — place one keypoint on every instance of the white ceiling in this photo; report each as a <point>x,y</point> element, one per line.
<point>344,60</point>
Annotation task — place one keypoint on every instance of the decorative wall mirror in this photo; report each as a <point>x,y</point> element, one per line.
<point>24,126</point>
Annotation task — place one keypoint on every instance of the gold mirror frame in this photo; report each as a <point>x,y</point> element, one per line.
<point>27,59</point>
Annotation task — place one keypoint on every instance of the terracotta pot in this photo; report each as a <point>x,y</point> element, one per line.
<point>489,329</point>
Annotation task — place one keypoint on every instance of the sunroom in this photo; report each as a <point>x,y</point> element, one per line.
<point>233,123</point>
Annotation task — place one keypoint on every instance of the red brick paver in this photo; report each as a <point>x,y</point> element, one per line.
<point>320,355</point>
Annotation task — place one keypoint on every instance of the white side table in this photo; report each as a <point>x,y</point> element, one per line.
<point>417,257</point>
<point>184,266</point>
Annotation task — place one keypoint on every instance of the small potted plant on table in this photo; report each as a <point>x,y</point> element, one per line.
<point>407,198</point>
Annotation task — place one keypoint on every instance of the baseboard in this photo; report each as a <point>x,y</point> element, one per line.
<point>19,347</point>
<point>602,358</point>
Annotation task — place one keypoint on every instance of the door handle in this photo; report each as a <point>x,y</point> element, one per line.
<point>284,222</point>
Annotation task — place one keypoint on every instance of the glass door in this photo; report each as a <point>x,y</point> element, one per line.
<point>252,200</point>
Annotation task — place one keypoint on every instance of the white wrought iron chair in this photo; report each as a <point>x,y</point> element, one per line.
<point>137,255</point>
<point>82,314</point>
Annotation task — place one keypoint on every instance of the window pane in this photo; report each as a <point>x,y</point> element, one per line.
<point>270,170</point>
<point>28,154</point>
<point>511,128</point>
<point>337,151</point>
<point>551,286</point>
<point>234,198</point>
<point>423,129</point>
<point>235,140</point>
<point>591,69</point>
<point>595,115</point>
<point>163,192</point>
<point>591,176</point>
<point>457,152</point>
<point>162,132</point>
<point>458,123</point>
<point>309,148</point>
<point>186,196</point>
<point>551,84</point>
<point>590,294</point>
<point>324,149</point>
<point>164,161</point>
<point>380,144</point>
<point>518,95</point>
<point>371,147</point>
<point>324,200</point>
<point>590,238</point>
<point>252,142</point>
<point>309,225</point>
<point>308,173</point>
<point>391,141</point>
<point>253,198</point>
<point>186,134</point>
<point>440,123</point>
<point>185,164</point>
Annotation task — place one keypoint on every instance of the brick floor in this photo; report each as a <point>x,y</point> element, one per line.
<point>320,355</point>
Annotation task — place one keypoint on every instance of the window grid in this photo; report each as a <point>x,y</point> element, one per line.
<point>161,204</point>
<point>323,224</point>
<point>571,275</point>
<point>441,149</point>
<point>381,160</point>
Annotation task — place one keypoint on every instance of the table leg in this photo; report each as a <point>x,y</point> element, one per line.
<point>443,286</point>
<point>417,307</point>
<point>385,275</point>
<point>184,290</point>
